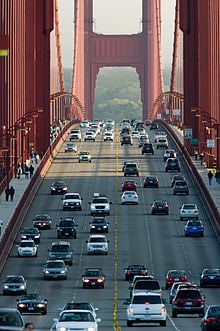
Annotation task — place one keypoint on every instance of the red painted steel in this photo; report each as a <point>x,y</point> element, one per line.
<point>94,51</point>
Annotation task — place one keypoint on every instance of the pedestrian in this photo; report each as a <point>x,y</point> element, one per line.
<point>18,172</point>
<point>196,155</point>
<point>11,192</point>
<point>1,225</point>
<point>201,155</point>
<point>31,170</point>
<point>28,326</point>
<point>210,176</point>
<point>217,176</point>
<point>7,192</point>
<point>37,158</point>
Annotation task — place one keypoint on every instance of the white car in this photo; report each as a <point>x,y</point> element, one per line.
<point>146,307</point>
<point>189,211</point>
<point>108,136</point>
<point>84,124</point>
<point>70,147</point>
<point>96,127</point>
<point>169,153</point>
<point>99,205</point>
<point>159,134</point>
<point>89,135</point>
<point>129,197</point>
<point>75,134</point>
<point>72,201</point>
<point>135,134</point>
<point>162,142</point>
<point>76,319</point>
<point>97,244</point>
<point>27,248</point>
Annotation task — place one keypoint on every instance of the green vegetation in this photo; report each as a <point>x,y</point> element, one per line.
<point>117,93</point>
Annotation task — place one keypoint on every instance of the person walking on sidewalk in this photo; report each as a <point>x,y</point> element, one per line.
<point>1,225</point>
<point>7,193</point>
<point>31,170</point>
<point>201,156</point>
<point>217,176</point>
<point>12,192</point>
<point>210,176</point>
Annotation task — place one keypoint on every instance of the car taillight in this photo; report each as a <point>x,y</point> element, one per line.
<point>185,278</point>
<point>165,206</point>
<point>211,319</point>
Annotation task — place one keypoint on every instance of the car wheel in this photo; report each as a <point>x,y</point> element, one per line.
<point>163,323</point>
<point>174,315</point>
<point>174,193</point>
<point>44,312</point>
<point>75,236</point>
<point>129,323</point>
<point>79,161</point>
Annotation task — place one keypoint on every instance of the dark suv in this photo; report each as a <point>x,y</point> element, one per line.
<point>66,228</point>
<point>172,164</point>
<point>126,140</point>
<point>181,186</point>
<point>188,301</point>
<point>131,169</point>
<point>61,250</point>
<point>147,148</point>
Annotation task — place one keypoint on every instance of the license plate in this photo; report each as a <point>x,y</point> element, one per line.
<point>93,283</point>
<point>188,303</point>
<point>211,277</point>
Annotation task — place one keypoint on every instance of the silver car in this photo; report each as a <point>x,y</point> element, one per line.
<point>55,269</point>
<point>189,211</point>
<point>11,319</point>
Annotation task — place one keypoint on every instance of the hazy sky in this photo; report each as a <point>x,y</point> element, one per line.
<point>111,17</point>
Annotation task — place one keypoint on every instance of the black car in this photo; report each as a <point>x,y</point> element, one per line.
<point>32,303</point>
<point>181,186</point>
<point>172,164</point>
<point>42,221</point>
<point>31,233</point>
<point>210,277</point>
<point>211,319</point>
<point>58,187</point>
<point>147,148</point>
<point>99,224</point>
<point>93,277</point>
<point>153,126</point>
<point>151,181</point>
<point>175,178</point>
<point>61,250</point>
<point>66,228</point>
<point>126,140</point>
<point>159,207</point>
<point>131,169</point>
<point>134,270</point>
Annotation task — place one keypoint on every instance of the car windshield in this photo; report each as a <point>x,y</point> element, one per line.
<point>76,316</point>
<point>212,271</point>
<point>59,184</point>
<point>31,296</point>
<point>97,240</point>
<point>34,231</point>
<point>146,299</point>
<point>99,221</point>
<point>188,294</point>
<point>54,264</point>
<point>42,217</point>
<point>176,273</point>
<point>189,206</point>
<point>99,200</point>
<point>27,244</point>
<point>10,319</point>
<point>194,223</point>
<point>181,184</point>
<point>60,248</point>
<point>92,273</point>
<point>14,280</point>
<point>66,224</point>
<point>147,285</point>
<point>71,196</point>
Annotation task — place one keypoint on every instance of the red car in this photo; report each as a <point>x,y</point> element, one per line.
<point>129,185</point>
<point>174,276</point>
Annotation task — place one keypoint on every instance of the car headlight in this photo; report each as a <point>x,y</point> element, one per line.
<point>22,287</point>
<point>92,329</point>
<point>61,329</point>
<point>77,203</point>
<point>46,271</point>
<point>21,305</point>
<point>40,305</point>
<point>63,271</point>
<point>6,286</point>
<point>68,256</point>
<point>52,256</point>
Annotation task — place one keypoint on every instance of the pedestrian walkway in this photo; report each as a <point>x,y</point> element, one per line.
<point>7,208</point>
<point>214,188</point>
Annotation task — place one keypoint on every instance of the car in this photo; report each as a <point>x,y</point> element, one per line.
<point>135,134</point>
<point>129,197</point>
<point>175,178</point>
<point>175,275</point>
<point>169,153</point>
<point>11,320</point>
<point>172,164</point>
<point>153,126</point>
<point>61,250</point>
<point>58,187</point>
<point>142,141</point>
<point>70,147</point>
<point>189,211</point>
<point>32,303</point>
<point>126,140</point>
<point>66,228</point>
<point>174,288</point>
<point>148,122</point>
<point>89,135</point>
<point>97,244</point>
<point>80,305</point>
<point>93,277</point>
<point>27,248</point>
<point>137,278</point>
<point>131,169</point>
<point>211,319</point>
<point>147,148</point>
<point>98,225</point>
<point>148,285</point>
<point>14,284</point>
<point>194,228</point>
<point>162,142</point>
<point>151,181</point>
<point>159,134</point>
<point>210,277</point>
<point>124,164</point>
<point>31,234</point>
<point>181,187</point>
<point>188,301</point>
<point>42,221</point>
<point>72,201</point>
<point>96,127</point>
<point>134,270</point>
<point>75,134</point>
<point>159,207</point>
<point>99,205</point>
<point>129,185</point>
<point>84,157</point>
<point>146,307</point>
<point>54,269</point>
<point>84,124</point>
<point>76,319</point>
<point>108,136</point>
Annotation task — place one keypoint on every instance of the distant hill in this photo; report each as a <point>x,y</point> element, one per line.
<point>117,93</point>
